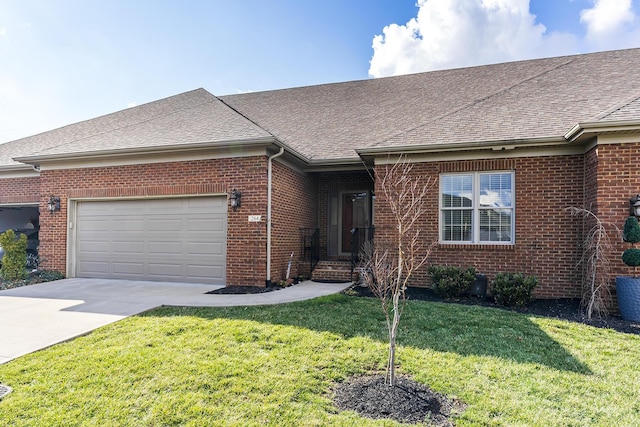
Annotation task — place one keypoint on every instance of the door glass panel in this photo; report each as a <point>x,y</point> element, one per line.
<point>354,215</point>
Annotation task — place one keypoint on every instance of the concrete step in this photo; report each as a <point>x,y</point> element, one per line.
<point>339,271</point>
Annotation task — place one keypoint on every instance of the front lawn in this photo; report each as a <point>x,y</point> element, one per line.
<point>276,366</point>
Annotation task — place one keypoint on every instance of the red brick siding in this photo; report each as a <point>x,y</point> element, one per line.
<point>546,236</point>
<point>20,190</point>
<point>246,242</point>
<point>617,180</point>
<point>294,206</point>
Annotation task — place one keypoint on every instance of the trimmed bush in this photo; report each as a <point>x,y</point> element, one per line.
<point>631,230</point>
<point>513,289</point>
<point>631,257</point>
<point>631,234</point>
<point>14,260</point>
<point>451,281</point>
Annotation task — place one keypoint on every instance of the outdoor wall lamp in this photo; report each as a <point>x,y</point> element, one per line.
<point>54,203</point>
<point>634,206</point>
<point>235,199</point>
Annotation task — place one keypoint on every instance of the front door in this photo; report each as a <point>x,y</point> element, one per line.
<point>355,214</point>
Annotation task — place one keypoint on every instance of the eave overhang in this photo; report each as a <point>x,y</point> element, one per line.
<point>164,153</point>
<point>585,131</point>
<point>369,154</point>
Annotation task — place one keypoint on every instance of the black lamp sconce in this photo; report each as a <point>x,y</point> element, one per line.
<point>54,204</point>
<point>235,199</point>
<point>634,206</point>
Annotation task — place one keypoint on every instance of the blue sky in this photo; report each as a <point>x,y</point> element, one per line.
<point>64,61</point>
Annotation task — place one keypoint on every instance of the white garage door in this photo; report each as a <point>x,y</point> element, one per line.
<point>180,239</point>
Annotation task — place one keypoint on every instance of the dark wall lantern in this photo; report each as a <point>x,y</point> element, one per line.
<point>54,203</point>
<point>235,199</point>
<point>634,206</point>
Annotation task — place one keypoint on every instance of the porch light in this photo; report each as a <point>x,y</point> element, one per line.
<point>634,206</point>
<point>54,203</point>
<point>235,199</point>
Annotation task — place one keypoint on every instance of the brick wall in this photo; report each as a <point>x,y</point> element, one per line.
<point>547,238</point>
<point>246,242</point>
<point>617,180</point>
<point>294,200</point>
<point>20,190</point>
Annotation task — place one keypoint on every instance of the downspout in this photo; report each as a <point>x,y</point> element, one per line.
<point>269,190</point>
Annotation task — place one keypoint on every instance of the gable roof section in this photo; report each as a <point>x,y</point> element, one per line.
<point>542,100</point>
<point>187,119</point>
<point>527,100</point>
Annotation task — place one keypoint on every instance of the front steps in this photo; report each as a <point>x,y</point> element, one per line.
<point>333,271</point>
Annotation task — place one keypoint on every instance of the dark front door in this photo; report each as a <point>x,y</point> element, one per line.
<point>355,214</point>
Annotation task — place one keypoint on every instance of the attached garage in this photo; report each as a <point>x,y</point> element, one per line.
<point>172,239</point>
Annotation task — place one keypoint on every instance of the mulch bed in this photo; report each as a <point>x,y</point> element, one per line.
<point>237,290</point>
<point>407,402</point>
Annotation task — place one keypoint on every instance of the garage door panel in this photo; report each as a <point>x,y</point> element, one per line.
<point>127,247</point>
<point>94,224</point>
<point>213,248</point>
<point>95,268</point>
<point>201,225</point>
<point>165,269</point>
<point>132,268</point>
<point>166,248</point>
<point>166,225</point>
<point>200,205</point>
<point>156,239</point>
<point>95,246</point>
<point>203,272</point>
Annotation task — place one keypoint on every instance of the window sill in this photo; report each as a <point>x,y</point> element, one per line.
<point>477,246</point>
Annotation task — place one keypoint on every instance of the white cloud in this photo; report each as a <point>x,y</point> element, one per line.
<point>459,33</point>
<point>3,31</point>
<point>607,21</point>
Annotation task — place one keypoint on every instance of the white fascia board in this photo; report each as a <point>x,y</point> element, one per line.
<point>146,155</point>
<point>590,129</point>
<point>18,171</point>
<point>483,146</point>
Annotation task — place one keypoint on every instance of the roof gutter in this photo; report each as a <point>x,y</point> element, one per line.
<point>581,130</point>
<point>195,146</point>
<point>269,205</point>
<point>496,145</point>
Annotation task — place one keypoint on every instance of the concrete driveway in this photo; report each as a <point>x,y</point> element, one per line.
<point>38,316</point>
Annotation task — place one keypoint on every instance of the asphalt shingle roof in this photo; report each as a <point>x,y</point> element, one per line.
<point>188,118</point>
<point>526,100</point>
<point>532,99</point>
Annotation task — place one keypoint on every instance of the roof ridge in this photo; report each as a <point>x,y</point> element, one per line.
<point>616,107</point>
<point>479,100</point>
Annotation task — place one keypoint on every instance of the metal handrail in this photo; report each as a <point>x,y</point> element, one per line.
<point>310,246</point>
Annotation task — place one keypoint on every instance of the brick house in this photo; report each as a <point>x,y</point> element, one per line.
<point>144,193</point>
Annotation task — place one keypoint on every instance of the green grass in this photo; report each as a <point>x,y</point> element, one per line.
<point>276,366</point>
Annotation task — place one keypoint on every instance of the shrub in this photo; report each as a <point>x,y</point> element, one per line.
<point>450,281</point>
<point>631,234</point>
<point>631,257</point>
<point>47,276</point>
<point>14,260</point>
<point>631,230</point>
<point>513,289</point>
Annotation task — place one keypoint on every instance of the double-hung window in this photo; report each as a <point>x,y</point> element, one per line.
<point>477,207</point>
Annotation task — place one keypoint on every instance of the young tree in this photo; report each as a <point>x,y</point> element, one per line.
<point>595,263</point>
<point>388,264</point>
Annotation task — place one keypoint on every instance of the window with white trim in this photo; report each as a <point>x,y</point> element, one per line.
<point>477,207</point>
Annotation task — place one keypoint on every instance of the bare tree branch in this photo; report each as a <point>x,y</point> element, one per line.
<point>595,263</point>
<point>388,265</point>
